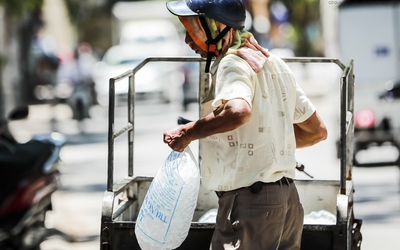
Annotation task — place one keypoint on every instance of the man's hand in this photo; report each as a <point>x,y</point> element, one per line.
<point>176,138</point>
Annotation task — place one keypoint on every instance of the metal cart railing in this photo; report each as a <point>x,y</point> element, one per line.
<point>122,201</point>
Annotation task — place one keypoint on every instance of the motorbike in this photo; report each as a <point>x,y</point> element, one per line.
<point>29,176</point>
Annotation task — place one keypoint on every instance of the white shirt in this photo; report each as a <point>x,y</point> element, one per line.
<point>263,149</point>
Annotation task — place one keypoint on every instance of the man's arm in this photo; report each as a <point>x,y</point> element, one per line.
<point>310,132</point>
<point>229,116</point>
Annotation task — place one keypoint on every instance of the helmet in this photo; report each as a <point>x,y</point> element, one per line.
<point>229,12</point>
<point>232,13</point>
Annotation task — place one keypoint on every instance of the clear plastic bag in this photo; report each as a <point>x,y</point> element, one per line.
<point>167,211</point>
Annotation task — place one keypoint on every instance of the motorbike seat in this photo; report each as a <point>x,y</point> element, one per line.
<point>26,159</point>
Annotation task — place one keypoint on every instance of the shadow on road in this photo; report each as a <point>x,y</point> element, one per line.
<point>86,138</point>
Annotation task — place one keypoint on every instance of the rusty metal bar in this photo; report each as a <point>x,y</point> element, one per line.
<point>346,127</point>
<point>127,127</point>
<point>315,60</point>
<point>111,115</point>
<point>350,109</point>
<point>131,120</point>
<point>342,142</point>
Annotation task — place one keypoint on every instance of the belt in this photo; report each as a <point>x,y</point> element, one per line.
<point>257,186</point>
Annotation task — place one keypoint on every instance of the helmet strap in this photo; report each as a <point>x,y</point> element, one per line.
<point>211,42</point>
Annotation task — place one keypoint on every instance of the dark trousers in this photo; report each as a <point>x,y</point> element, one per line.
<point>271,219</point>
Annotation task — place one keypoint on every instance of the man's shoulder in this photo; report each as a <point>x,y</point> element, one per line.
<point>233,60</point>
<point>274,58</point>
<point>278,64</point>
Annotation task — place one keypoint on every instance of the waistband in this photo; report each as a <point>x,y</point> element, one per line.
<point>257,186</point>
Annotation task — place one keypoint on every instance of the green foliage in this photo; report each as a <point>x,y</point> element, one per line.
<point>92,20</point>
<point>73,7</point>
<point>305,18</point>
<point>80,11</point>
<point>17,7</point>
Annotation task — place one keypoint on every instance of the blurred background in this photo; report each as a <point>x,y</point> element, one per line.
<point>56,57</point>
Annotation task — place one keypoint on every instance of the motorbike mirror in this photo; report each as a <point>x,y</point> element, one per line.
<point>396,91</point>
<point>19,112</point>
<point>392,93</point>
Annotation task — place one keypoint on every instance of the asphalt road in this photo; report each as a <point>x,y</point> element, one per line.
<point>77,205</point>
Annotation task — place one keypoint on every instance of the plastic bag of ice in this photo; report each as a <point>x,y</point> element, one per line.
<point>165,216</point>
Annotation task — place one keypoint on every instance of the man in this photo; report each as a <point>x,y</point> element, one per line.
<point>260,115</point>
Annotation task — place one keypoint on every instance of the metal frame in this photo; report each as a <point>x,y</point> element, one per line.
<point>346,113</point>
<point>115,210</point>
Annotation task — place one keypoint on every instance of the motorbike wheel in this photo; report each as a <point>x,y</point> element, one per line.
<point>31,237</point>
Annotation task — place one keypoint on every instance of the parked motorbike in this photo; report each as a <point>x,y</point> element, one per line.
<point>29,176</point>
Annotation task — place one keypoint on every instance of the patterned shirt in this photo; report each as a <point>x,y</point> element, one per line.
<point>262,149</point>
